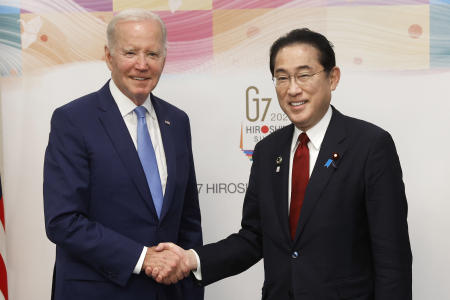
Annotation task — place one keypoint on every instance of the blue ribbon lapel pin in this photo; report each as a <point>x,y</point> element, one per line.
<point>332,161</point>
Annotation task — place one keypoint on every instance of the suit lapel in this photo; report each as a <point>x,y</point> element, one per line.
<point>117,131</point>
<point>165,128</point>
<point>281,180</point>
<point>334,142</point>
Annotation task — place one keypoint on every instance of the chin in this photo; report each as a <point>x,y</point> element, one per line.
<point>142,92</point>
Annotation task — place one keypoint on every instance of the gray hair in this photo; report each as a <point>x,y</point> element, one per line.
<point>133,14</point>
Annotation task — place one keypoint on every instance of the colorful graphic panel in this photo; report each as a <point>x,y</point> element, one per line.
<point>215,34</point>
<point>380,37</point>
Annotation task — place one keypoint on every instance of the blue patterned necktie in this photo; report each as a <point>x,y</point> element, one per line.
<point>148,159</point>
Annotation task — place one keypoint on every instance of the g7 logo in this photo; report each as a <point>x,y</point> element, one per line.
<point>256,103</point>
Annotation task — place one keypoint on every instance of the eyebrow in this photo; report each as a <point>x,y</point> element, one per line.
<point>299,68</point>
<point>125,49</point>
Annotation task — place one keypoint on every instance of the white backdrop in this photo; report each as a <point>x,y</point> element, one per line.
<point>413,107</point>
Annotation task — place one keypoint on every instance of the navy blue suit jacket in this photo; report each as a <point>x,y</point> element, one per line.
<point>352,237</point>
<point>98,208</point>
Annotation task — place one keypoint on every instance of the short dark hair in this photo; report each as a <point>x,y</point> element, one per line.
<point>305,36</point>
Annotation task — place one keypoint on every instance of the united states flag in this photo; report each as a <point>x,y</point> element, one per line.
<point>3,278</point>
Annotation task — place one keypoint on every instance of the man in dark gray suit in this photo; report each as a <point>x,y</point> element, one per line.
<point>325,205</point>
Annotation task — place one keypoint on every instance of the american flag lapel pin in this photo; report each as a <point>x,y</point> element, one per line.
<point>167,122</point>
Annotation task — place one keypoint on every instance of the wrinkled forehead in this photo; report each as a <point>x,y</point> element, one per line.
<point>130,32</point>
<point>127,27</point>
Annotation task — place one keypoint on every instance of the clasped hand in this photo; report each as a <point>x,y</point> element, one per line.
<point>168,263</point>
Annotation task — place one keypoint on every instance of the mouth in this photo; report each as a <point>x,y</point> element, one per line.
<point>298,103</point>
<point>140,78</point>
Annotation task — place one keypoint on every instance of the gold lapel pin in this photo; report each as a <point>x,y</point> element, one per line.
<point>279,160</point>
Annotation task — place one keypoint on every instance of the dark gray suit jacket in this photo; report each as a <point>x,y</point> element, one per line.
<point>352,238</point>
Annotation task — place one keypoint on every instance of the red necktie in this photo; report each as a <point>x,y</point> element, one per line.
<point>300,178</point>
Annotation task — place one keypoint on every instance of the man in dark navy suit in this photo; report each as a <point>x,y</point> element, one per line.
<point>325,205</point>
<point>119,176</point>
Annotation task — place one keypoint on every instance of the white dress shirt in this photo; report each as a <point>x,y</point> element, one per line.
<point>315,135</point>
<point>126,108</point>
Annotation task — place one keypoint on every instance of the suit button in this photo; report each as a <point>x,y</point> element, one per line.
<point>294,254</point>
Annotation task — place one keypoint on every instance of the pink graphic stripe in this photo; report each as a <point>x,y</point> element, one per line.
<point>245,4</point>
<point>187,25</point>
<point>189,35</point>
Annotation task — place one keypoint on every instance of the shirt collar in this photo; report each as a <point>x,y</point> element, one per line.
<point>315,133</point>
<point>125,105</point>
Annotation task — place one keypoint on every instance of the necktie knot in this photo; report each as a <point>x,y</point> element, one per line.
<point>140,111</point>
<point>303,139</point>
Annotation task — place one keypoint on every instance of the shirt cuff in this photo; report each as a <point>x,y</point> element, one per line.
<point>140,262</point>
<point>197,273</point>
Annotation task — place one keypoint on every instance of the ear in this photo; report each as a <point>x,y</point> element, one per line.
<point>335,75</point>
<point>108,58</point>
<point>164,59</point>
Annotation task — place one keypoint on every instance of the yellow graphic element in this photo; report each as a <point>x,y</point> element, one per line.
<point>380,37</point>
<point>242,38</point>
<point>231,27</point>
<point>241,145</point>
<point>60,38</point>
<point>171,5</point>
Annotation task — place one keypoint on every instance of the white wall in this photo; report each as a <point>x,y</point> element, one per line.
<point>412,107</point>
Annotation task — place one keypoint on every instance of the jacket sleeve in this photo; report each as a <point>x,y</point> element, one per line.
<point>190,234</point>
<point>387,216</point>
<point>241,250</point>
<point>67,183</point>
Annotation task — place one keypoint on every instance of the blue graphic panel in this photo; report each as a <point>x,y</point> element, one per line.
<point>10,9</point>
<point>10,47</point>
<point>439,1</point>
<point>440,35</point>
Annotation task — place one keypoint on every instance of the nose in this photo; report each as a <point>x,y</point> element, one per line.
<point>293,88</point>
<point>141,62</point>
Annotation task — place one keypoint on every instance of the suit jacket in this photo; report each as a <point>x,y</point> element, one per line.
<point>98,208</point>
<point>352,237</point>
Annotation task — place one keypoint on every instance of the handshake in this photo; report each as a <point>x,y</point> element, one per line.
<point>168,263</point>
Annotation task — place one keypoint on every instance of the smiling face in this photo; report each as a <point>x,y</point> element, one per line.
<point>137,58</point>
<point>305,103</point>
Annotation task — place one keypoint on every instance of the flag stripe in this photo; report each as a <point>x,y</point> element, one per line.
<point>3,283</point>
<point>3,278</point>
<point>2,245</point>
